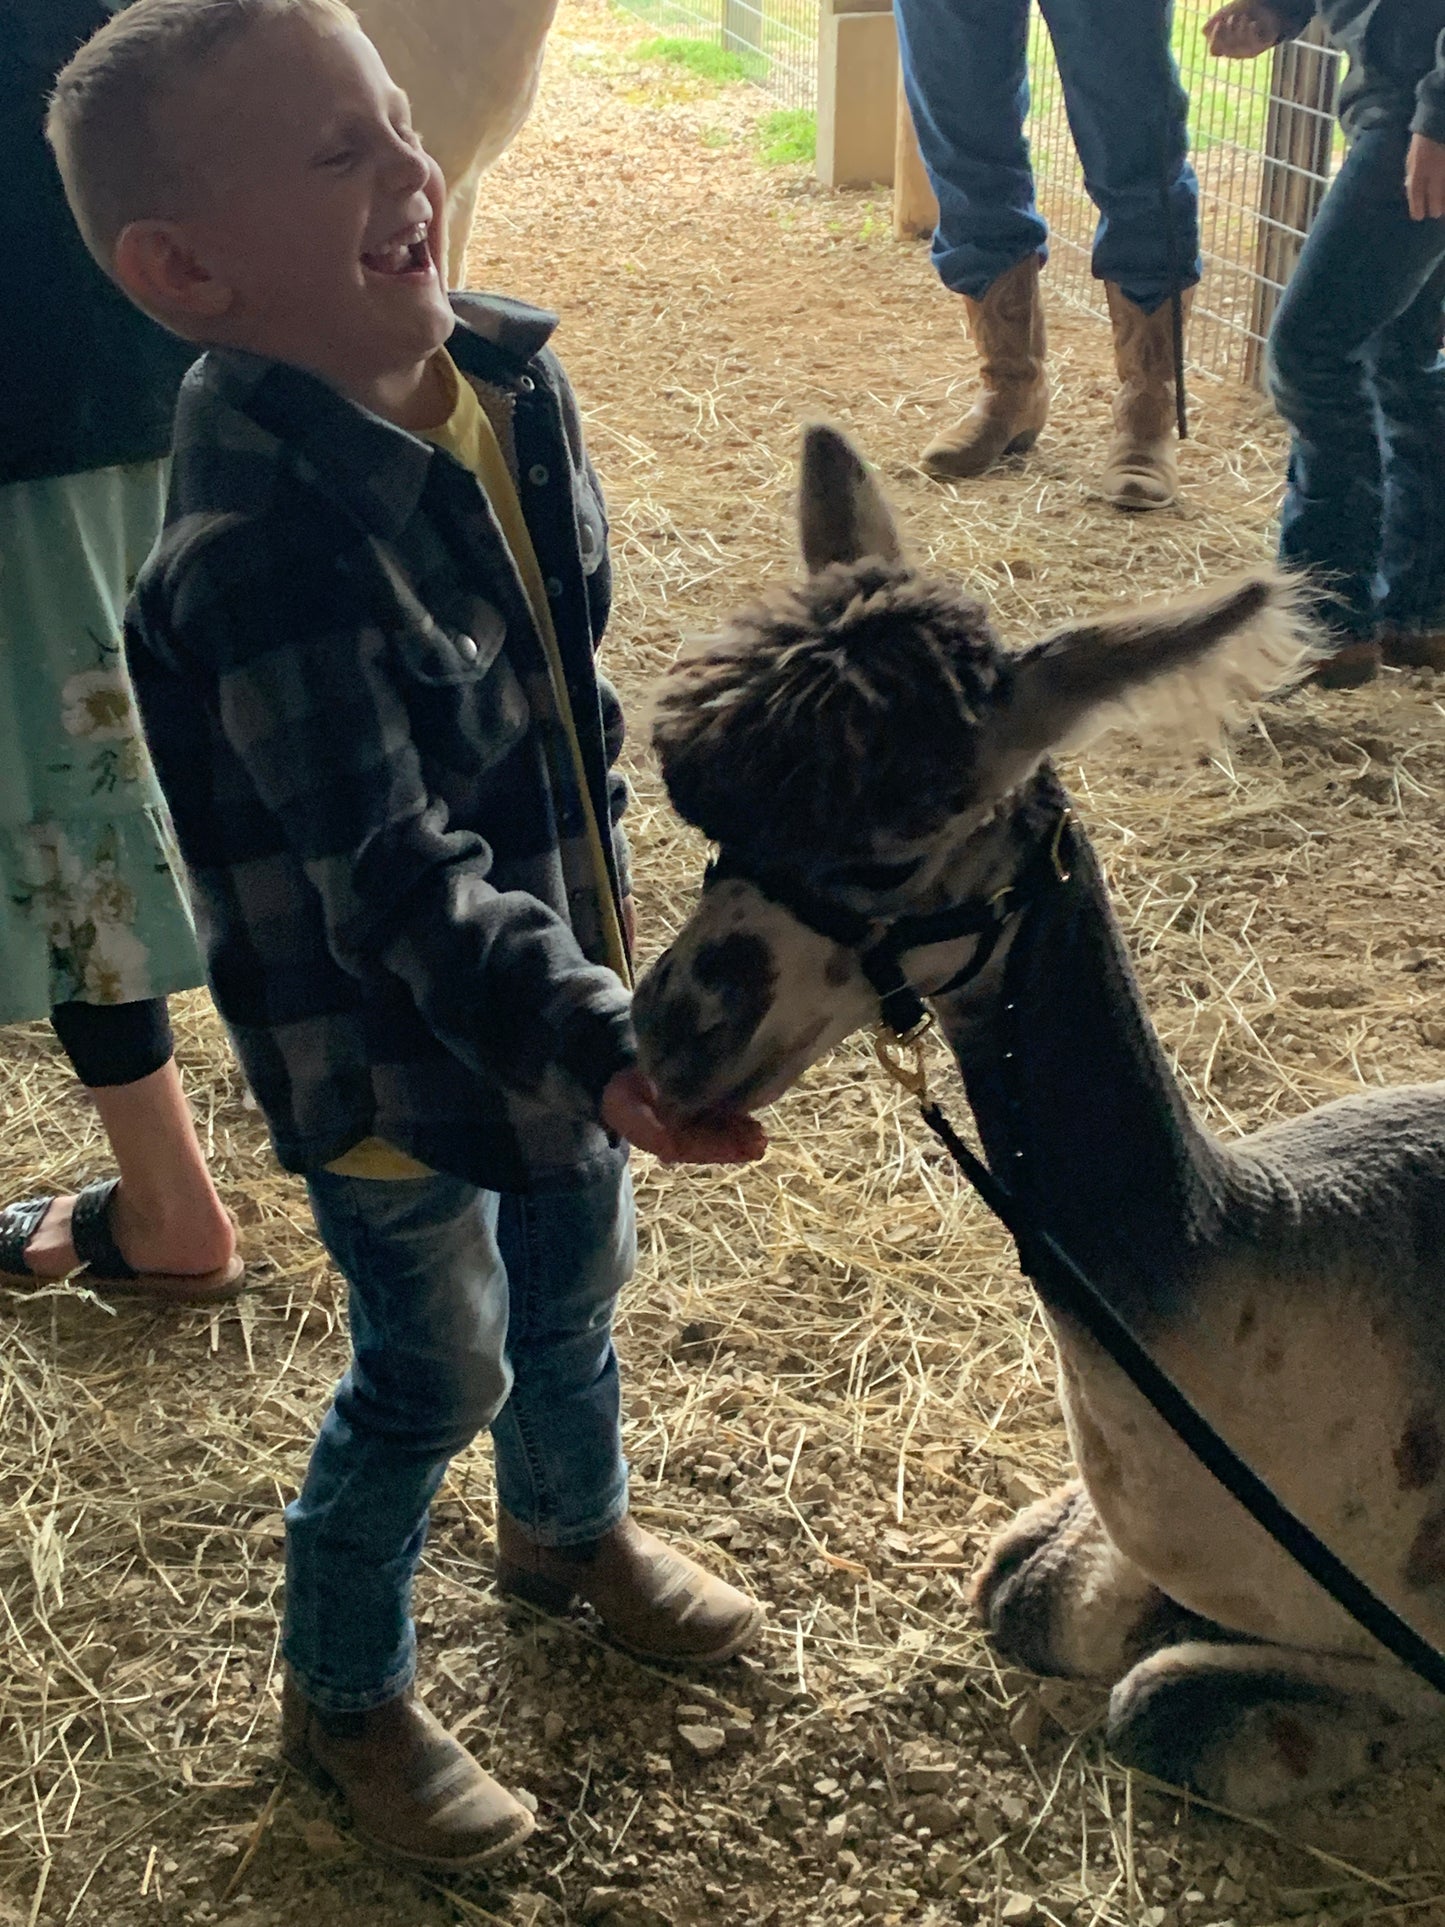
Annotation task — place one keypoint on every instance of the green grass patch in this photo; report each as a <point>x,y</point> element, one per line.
<point>787,134</point>
<point>701,57</point>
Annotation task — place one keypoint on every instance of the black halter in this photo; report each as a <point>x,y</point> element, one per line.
<point>1054,1274</point>
<point>881,946</point>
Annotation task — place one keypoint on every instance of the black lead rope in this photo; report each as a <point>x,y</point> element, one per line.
<point>1060,1282</point>
<point>1176,299</point>
<point>1065,1287</point>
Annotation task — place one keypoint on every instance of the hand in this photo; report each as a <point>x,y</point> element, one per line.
<point>629,922</point>
<point>1425,178</point>
<point>633,1109</point>
<point>1243,30</point>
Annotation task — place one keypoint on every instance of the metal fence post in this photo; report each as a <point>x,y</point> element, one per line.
<point>1299,134</point>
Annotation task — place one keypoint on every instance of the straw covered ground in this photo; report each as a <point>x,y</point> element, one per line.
<point>838,1385</point>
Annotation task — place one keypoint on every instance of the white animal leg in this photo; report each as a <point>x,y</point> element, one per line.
<point>1259,1726</point>
<point>1059,1597</point>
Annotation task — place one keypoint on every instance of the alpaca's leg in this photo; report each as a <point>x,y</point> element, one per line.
<point>1059,1597</point>
<point>1255,1727</point>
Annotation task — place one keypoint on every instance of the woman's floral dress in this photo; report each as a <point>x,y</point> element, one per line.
<point>94,908</point>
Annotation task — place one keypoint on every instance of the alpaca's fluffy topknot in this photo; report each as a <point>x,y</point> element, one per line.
<point>828,709</point>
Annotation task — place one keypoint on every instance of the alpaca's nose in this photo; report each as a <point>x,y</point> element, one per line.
<point>697,1021</point>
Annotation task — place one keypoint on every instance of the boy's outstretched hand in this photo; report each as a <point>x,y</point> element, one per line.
<point>1243,30</point>
<point>631,1107</point>
<point>1425,178</point>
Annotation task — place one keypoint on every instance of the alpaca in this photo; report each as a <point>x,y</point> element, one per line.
<point>470,69</point>
<point>862,740</point>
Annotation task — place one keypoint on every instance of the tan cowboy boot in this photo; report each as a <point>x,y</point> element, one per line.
<point>1007,326</point>
<point>655,1602</point>
<point>409,1787</point>
<point>1142,470</point>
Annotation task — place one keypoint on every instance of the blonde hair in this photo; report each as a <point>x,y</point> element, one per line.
<point>104,120</point>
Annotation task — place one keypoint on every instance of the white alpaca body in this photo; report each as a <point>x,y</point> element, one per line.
<point>470,69</point>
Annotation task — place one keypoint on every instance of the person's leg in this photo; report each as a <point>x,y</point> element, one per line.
<point>1129,117</point>
<point>428,1308</point>
<point>563,1533</point>
<point>965,71</point>
<point>1409,380</point>
<point>558,1441</point>
<point>1364,266</point>
<point>1128,114</point>
<point>165,1217</point>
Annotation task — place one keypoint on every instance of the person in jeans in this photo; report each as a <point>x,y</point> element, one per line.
<point>95,928</point>
<point>965,69</point>
<point>364,652</point>
<point>1354,357</point>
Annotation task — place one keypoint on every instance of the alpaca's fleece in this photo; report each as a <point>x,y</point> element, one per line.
<point>828,709</point>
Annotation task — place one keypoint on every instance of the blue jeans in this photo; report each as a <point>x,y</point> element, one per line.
<point>468,1309</point>
<point>1355,368</point>
<point>965,68</point>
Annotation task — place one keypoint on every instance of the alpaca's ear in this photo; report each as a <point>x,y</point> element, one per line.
<point>842,515</point>
<point>1185,668</point>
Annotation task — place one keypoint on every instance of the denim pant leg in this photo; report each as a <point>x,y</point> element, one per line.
<point>428,1304</point>
<point>1129,117</point>
<point>1364,266</point>
<point>1409,378</point>
<point>558,1442</point>
<point>965,70</point>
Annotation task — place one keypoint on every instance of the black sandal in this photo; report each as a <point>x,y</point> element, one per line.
<point>104,1268</point>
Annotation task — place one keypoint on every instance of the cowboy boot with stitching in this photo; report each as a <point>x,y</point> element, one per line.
<point>1142,469</point>
<point>655,1602</point>
<point>1007,325</point>
<point>409,1787</point>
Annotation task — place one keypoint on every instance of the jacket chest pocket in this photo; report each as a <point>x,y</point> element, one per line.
<point>466,696</point>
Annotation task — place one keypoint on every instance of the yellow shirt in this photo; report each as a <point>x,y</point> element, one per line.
<point>469,436</point>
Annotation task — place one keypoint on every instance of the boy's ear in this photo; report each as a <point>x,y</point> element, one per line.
<point>161,272</point>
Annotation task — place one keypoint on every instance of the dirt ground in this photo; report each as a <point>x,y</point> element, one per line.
<point>838,1386</point>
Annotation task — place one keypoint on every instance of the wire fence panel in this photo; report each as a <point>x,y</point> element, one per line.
<point>775,40</point>
<point>1264,144</point>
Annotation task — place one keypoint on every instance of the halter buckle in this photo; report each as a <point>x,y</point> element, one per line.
<point>911,1076</point>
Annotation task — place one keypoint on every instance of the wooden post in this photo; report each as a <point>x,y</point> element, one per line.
<point>857,93</point>
<point>1299,136</point>
<point>915,206</point>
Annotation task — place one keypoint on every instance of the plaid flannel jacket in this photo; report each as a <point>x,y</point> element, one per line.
<point>349,710</point>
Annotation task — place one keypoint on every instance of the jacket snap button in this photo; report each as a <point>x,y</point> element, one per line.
<point>554,586</point>
<point>467,649</point>
<point>538,476</point>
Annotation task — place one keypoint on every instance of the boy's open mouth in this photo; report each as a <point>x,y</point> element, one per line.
<point>405,253</point>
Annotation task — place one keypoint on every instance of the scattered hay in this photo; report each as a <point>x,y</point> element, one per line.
<point>837,1386</point>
